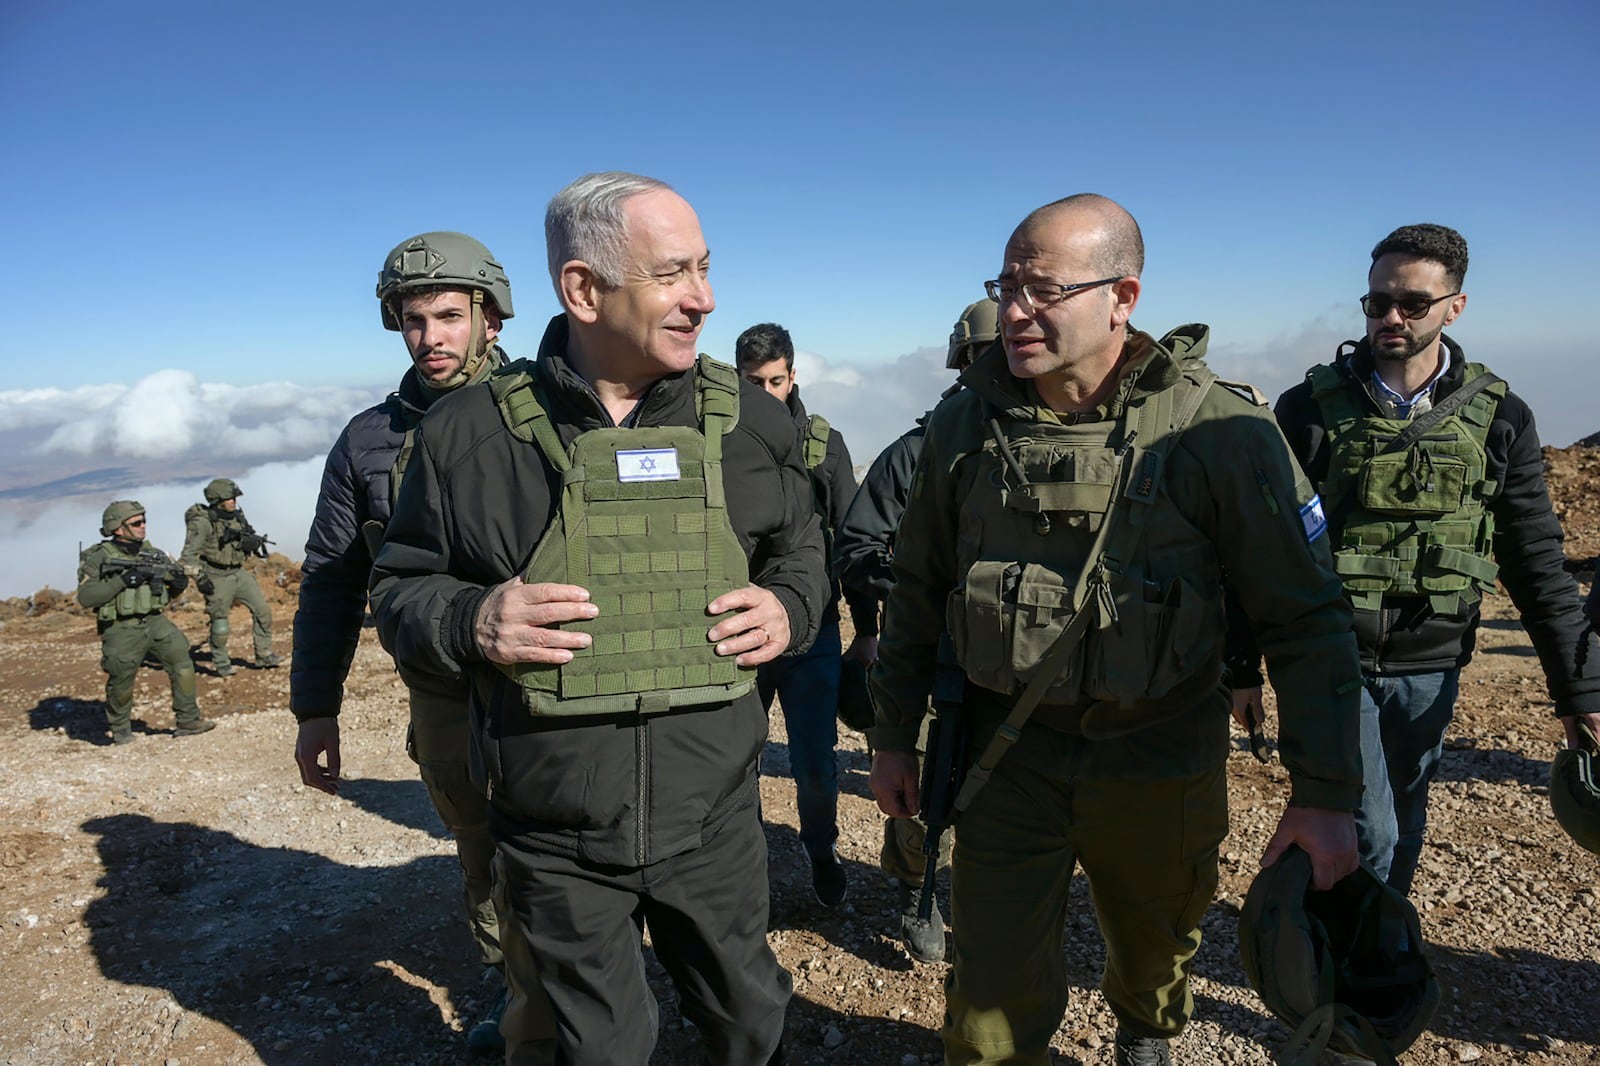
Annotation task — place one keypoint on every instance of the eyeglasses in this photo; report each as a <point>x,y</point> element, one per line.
<point>134,523</point>
<point>1040,294</point>
<point>1378,304</point>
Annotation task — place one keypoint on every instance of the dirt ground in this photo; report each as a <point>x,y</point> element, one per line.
<point>188,901</point>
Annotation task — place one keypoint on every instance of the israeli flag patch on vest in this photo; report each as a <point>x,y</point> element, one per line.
<point>648,464</point>
<point>1312,519</point>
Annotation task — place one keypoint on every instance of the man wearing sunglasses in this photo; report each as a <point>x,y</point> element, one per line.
<point>1068,523</point>
<point>1433,484</point>
<point>127,584</point>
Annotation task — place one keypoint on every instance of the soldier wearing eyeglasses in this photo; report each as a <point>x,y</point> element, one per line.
<point>1431,472</point>
<point>1069,521</point>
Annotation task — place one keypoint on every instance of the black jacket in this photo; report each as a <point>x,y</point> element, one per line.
<point>333,578</point>
<point>1405,637</point>
<point>863,544</point>
<point>834,483</point>
<point>619,789</point>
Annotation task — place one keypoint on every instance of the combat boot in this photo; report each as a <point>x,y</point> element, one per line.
<point>484,1038</point>
<point>122,736</point>
<point>225,670</point>
<point>828,881</point>
<point>924,941</point>
<point>1141,1050</point>
<point>268,661</point>
<point>194,728</point>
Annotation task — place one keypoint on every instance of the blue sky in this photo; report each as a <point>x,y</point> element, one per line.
<point>209,188</point>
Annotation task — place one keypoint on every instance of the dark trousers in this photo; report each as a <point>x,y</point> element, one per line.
<point>573,928</point>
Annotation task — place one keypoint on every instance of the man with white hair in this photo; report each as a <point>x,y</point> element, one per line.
<point>607,542</point>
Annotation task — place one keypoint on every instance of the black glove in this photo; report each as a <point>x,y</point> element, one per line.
<point>250,543</point>
<point>205,585</point>
<point>177,581</point>
<point>133,577</point>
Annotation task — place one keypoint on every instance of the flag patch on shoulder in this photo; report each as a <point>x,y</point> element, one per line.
<point>648,464</point>
<point>1312,520</point>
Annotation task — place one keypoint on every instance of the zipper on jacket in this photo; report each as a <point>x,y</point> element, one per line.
<point>642,753</point>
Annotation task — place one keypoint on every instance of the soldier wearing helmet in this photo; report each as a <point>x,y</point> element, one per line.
<point>217,542</point>
<point>448,297</point>
<point>128,583</point>
<point>863,547</point>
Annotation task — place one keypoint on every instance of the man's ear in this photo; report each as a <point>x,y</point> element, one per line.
<point>1124,297</point>
<point>580,291</point>
<point>1458,304</point>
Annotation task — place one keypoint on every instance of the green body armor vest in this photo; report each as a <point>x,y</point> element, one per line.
<point>213,552</point>
<point>1082,504</point>
<point>1415,522</point>
<point>642,524</point>
<point>149,598</point>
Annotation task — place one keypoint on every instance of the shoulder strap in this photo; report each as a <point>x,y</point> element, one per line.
<point>524,413</point>
<point>1438,413</point>
<point>1138,478</point>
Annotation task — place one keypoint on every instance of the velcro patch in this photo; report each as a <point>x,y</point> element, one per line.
<point>1312,519</point>
<point>648,464</point>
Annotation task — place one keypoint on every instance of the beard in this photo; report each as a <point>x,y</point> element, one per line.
<point>1413,344</point>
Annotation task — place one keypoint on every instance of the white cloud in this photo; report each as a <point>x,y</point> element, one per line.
<point>171,414</point>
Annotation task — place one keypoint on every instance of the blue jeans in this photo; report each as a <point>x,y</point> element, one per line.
<point>808,688</point>
<point>1403,720</point>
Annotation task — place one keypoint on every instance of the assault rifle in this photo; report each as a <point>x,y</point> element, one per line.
<point>945,766</point>
<point>250,542</point>
<point>149,566</point>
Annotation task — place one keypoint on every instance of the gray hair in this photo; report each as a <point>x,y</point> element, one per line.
<point>584,221</point>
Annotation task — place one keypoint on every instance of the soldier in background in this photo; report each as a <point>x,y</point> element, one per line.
<point>217,542</point>
<point>863,549</point>
<point>446,296</point>
<point>127,583</point>
<point>807,686</point>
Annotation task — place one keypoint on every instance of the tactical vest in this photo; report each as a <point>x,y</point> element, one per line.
<point>1035,548</point>
<point>1415,522</point>
<point>642,524</point>
<point>213,552</point>
<point>149,598</point>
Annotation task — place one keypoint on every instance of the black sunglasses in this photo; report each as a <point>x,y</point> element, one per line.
<point>1378,304</point>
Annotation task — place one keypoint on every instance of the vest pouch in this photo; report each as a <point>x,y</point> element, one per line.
<point>1416,483</point>
<point>1004,619</point>
<point>1164,633</point>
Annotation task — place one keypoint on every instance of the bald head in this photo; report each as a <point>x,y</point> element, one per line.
<point>1104,232</point>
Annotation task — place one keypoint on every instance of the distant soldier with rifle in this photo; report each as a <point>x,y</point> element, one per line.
<point>863,551</point>
<point>127,583</point>
<point>1068,526</point>
<point>218,540</point>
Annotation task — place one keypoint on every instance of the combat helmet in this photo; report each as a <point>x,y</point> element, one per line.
<point>430,260</point>
<point>1344,968</point>
<point>222,488</point>
<point>977,327</point>
<point>449,260</point>
<point>1574,792</point>
<point>117,513</point>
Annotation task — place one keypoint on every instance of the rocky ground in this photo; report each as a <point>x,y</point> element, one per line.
<point>187,900</point>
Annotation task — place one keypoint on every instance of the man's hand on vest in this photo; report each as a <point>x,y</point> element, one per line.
<point>894,783</point>
<point>517,623</point>
<point>1329,837</point>
<point>759,630</point>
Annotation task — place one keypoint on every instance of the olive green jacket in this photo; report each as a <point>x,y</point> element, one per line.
<point>97,589</point>
<point>1239,497</point>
